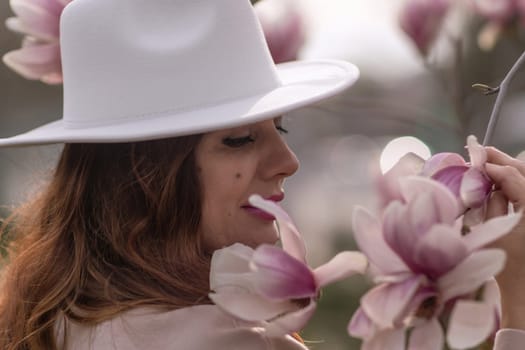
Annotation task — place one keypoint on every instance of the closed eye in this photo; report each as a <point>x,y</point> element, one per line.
<point>236,142</point>
<point>281,129</point>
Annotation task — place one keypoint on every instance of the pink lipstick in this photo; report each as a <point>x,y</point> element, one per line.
<point>261,213</point>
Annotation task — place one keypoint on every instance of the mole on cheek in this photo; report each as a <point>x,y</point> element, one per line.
<point>238,175</point>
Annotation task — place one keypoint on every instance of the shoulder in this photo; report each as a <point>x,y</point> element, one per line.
<point>509,339</point>
<point>192,328</point>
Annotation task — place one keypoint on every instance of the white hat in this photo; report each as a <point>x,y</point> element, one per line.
<point>147,69</point>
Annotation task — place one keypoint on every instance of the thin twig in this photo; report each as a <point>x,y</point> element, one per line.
<point>499,100</point>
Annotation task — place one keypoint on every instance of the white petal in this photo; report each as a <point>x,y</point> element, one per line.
<point>475,188</point>
<point>291,322</point>
<point>477,153</point>
<point>471,322</point>
<point>491,230</point>
<point>228,262</point>
<point>343,265</point>
<point>491,294</point>
<point>249,306</point>
<point>471,273</point>
<point>390,339</point>
<point>427,336</point>
<point>291,239</point>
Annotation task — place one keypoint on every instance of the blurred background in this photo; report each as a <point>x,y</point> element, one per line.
<point>418,61</point>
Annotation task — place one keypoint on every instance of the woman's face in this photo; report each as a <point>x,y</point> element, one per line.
<point>234,164</point>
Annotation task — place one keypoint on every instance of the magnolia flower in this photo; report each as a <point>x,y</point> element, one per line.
<point>500,14</point>
<point>421,20</point>
<point>495,10</point>
<point>274,286</point>
<point>39,56</point>
<point>467,181</point>
<point>424,266</point>
<point>283,27</point>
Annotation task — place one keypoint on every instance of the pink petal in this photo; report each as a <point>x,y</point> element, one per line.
<point>53,78</point>
<point>491,294</point>
<point>388,184</point>
<point>474,189</point>
<point>279,276</point>
<point>386,303</point>
<point>361,326</point>
<point>428,336</point>
<point>34,62</point>
<point>341,266</point>
<point>391,339</point>
<point>39,18</point>
<point>291,239</point>
<point>470,274</point>
<point>440,161</point>
<point>445,201</point>
<point>402,230</point>
<point>451,177</point>
<point>249,306</point>
<point>14,25</point>
<point>500,10</point>
<point>491,230</point>
<point>369,238</point>
<point>291,322</point>
<point>471,322</point>
<point>477,153</point>
<point>439,251</point>
<point>398,232</point>
<point>421,21</point>
<point>231,265</point>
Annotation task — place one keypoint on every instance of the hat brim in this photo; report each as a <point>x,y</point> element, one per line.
<point>303,83</point>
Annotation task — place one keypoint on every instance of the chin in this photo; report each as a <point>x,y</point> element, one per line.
<point>264,237</point>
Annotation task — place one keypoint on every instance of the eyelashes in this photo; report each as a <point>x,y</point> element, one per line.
<point>281,129</point>
<point>236,142</point>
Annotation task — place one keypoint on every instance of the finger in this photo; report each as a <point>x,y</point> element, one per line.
<point>496,156</point>
<point>509,180</point>
<point>497,205</point>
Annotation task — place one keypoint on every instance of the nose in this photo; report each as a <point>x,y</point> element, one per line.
<point>279,160</point>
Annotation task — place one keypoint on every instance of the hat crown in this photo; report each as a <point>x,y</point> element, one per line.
<point>130,59</point>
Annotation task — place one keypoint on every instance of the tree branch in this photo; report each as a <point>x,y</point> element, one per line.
<point>502,91</point>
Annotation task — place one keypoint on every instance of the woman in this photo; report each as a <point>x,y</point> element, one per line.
<point>171,121</point>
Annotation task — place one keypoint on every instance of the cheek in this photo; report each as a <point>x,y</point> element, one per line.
<point>224,192</point>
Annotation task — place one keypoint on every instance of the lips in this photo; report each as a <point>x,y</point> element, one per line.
<point>261,213</point>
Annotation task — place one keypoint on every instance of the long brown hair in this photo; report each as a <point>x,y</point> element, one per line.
<point>116,227</point>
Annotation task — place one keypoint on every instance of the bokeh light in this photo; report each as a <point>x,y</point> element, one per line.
<point>400,146</point>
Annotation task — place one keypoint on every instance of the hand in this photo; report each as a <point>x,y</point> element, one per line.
<point>509,176</point>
